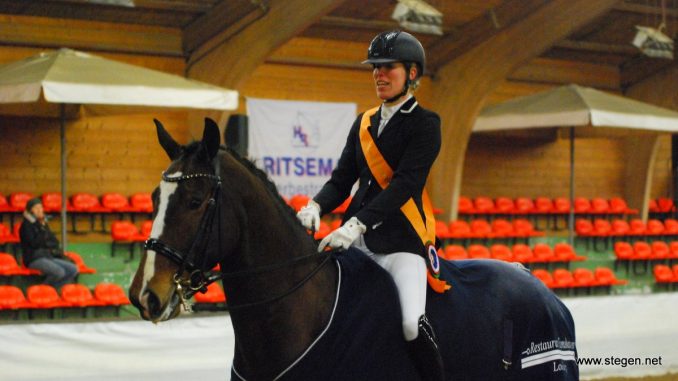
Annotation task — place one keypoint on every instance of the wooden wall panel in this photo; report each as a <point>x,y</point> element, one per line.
<point>104,154</point>
<point>516,167</point>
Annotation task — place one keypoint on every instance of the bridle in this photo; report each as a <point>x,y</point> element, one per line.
<point>198,279</point>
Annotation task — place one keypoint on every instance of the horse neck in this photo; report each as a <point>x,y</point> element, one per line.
<point>284,328</point>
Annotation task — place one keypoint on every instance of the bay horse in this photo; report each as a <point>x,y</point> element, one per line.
<point>300,315</point>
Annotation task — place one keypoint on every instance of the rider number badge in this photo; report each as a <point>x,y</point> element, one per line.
<point>433,260</point>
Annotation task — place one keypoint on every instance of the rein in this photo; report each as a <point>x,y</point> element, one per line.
<point>198,279</point>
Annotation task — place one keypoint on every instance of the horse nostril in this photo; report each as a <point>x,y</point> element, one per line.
<point>153,303</point>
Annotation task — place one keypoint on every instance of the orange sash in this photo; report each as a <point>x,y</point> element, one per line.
<point>382,172</point>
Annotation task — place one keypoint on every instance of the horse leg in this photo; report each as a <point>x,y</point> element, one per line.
<point>424,353</point>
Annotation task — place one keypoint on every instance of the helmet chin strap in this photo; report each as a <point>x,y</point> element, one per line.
<point>405,88</point>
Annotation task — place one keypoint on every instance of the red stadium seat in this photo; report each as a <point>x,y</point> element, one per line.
<point>623,250</point>
<point>44,296</point>
<point>18,200</point>
<point>584,278</point>
<point>11,298</point>
<point>522,253</point>
<point>51,202</point>
<point>665,205</point>
<point>141,203</point>
<point>503,205</point>
<point>465,205</point>
<point>9,266</point>
<point>641,250</point>
<point>522,227</point>
<point>670,227</point>
<point>663,274</point>
<point>600,206</point>
<point>561,205</point>
<point>442,230</point>
<point>562,278</point>
<point>654,227</point>
<point>4,205</point>
<point>583,227</point>
<point>524,205</point>
<point>605,277</point>
<point>582,205</point>
<point>478,252</point>
<point>564,252</point>
<point>660,250</point>
<point>110,294</point>
<point>459,229</point>
<point>543,253</point>
<point>502,228</point>
<point>544,276</point>
<point>543,205</point>
<point>501,252</point>
<point>620,228</point>
<point>483,205</point>
<point>78,295</point>
<point>636,227</point>
<point>481,228</point>
<point>618,206</point>
<point>85,202</point>
<point>115,202</point>
<point>455,252</point>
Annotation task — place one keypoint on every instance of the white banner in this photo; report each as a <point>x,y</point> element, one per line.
<point>298,144</point>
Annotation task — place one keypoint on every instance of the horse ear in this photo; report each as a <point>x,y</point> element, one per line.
<point>211,138</point>
<point>170,146</point>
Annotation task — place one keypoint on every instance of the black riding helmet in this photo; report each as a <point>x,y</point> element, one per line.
<point>397,46</point>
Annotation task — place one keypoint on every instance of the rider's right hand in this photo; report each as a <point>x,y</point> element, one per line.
<point>309,216</point>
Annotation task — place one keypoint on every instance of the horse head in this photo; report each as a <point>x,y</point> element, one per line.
<point>179,249</point>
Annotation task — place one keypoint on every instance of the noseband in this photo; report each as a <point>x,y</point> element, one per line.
<point>197,279</point>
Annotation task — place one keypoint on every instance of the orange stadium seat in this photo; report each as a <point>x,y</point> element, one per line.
<point>465,205</point>
<point>544,276</point>
<point>501,252</point>
<point>524,205</point>
<point>504,205</point>
<point>483,205</point>
<point>459,229</point>
<point>455,252</point>
<point>502,228</point>
<point>51,202</point>
<point>78,295</point>
<point>605,277</point>
<point>44,296</point>
<point>110,294</point>
<point>543,253</point>
<point>582,205</point>
<point>564,252</point>
<point>584,278</point>
<point>663,274</point>
<point>478,252</point>
<point>562,278</point>
<point>77,259</point>
<point>11,298</point>
<point>141,203</point>
<point>600,206</point>
<point>442,230</point>
<point>18,200</point>
<point>522,253</point>
<point>543,205</point>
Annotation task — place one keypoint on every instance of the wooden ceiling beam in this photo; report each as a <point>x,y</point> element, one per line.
<point>222,22</point>
<point>193,6</point>
<point>640,68</point>
<point>597,47</point>
<point>480,29</point>
<point>644,9</point>
<point>45,32</point>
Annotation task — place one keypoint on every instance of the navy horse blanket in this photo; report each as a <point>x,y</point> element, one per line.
<point>498,322</point>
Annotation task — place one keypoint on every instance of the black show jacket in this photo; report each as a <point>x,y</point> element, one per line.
<point>410,143</point>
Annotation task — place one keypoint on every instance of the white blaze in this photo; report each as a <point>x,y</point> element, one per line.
<point>166,190</point>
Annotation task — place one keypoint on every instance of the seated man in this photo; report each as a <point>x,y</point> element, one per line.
<point>41,249</point>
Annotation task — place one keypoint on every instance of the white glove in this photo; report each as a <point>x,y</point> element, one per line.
<point>309,216</point>
<point>344,236</point>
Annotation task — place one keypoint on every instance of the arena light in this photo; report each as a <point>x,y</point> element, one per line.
<point>653,42</point>
<point>116,3</point>
<point>418,16</point>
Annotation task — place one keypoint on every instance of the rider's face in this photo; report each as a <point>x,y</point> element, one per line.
<point>389,79</point>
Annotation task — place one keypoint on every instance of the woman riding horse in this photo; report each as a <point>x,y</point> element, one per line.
<point>390,150</point>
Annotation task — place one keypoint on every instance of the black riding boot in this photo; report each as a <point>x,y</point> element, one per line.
<point>424,353</point>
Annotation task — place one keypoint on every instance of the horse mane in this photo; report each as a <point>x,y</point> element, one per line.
<point>289,213</point>
<point>249,165</point>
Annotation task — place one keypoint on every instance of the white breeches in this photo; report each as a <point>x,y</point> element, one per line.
<point>409,273</point>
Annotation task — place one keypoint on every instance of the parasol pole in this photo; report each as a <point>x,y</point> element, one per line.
<point>570,219</point>
<point>64,198</point>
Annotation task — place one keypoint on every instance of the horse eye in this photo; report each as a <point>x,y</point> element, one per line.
<point>195,203</point>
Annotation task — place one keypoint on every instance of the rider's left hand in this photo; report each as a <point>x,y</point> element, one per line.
<point>344,236</point>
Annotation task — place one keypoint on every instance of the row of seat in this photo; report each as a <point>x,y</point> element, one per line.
<point>44,296</point>
<point>10,267</point>
<point>483,229</point>
<point>581,277</point>
<point>622,228</point>
<point>542,205</point>
<point>81,202</point>
<point>539,253</point>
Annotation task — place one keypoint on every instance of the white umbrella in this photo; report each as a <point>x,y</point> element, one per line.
<point>70,77</point>
<point>575,107</point>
